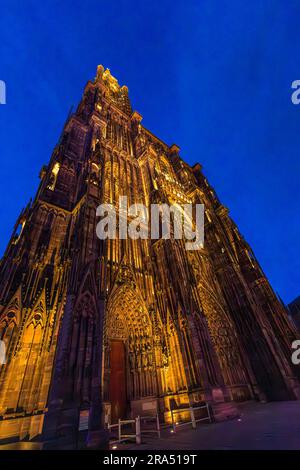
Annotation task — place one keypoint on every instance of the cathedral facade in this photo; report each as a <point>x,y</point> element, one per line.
<point>106,329</point>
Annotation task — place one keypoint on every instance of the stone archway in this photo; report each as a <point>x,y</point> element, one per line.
<point>128,342</point>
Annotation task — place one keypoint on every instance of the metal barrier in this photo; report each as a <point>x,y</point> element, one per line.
<point>137,435</point>
<point>124,437</point>
<point>147,419</point>
<point>193,420</point>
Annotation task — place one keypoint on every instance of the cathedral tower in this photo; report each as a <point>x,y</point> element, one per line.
<point>111,328</point>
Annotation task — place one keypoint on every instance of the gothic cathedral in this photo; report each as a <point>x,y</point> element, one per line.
<point>114,328</point>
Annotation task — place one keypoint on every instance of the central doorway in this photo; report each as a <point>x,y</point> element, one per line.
<point>117,384</point>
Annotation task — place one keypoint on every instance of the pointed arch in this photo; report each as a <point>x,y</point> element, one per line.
<point>10,321</point>
<point>128,323</point>
<point>83,340</point>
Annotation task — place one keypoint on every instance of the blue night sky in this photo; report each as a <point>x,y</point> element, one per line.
<point>212,76</point>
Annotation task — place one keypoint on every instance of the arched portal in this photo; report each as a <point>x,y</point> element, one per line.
<point>129,362</point>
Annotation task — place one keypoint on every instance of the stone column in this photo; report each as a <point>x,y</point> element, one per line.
<point>61,420</point>
<point>97,436</point>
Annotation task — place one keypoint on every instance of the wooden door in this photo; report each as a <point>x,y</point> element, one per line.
<point>117,385</point>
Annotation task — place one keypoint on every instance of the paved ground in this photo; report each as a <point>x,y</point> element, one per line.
<point>267,426</point>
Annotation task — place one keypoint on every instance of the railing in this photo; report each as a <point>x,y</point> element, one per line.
<point>145,419</point>
<point>138,430</point>
<point>193,420</point>
<point>124,437</point>
<point>137,435</point>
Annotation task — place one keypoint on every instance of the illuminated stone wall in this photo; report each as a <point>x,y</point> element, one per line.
<point>197,326</point>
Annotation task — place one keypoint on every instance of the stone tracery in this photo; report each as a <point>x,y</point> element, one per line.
<point>191,326</point>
